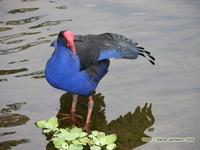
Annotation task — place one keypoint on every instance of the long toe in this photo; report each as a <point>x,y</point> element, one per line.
<point>64,116</point>
<point>86,127</point>
<point>71,118</point>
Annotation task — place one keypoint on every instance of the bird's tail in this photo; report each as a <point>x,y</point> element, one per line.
<point>146,54</point>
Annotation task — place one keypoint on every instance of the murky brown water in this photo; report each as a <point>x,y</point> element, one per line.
<point>169,29</point>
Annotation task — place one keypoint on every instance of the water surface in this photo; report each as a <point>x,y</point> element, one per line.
<point>169,29</point>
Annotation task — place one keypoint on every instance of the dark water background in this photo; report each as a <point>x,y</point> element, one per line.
<point>169,29</point>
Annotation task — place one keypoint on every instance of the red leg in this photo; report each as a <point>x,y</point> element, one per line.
<point>90,108</point>
<point>72,116</point>
<point>74,102</point>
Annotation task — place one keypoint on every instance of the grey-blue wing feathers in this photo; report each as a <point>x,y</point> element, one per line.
<point>92,48</point>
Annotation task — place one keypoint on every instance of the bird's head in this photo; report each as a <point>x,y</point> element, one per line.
<point>68,38</point>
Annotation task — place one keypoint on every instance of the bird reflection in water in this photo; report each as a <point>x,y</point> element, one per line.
<point>129,128</point>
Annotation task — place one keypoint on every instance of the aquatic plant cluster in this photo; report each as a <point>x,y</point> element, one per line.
<point>75,138</point>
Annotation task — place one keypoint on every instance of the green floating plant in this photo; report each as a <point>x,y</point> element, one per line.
<point>75,138</point>
<point>48,126</point>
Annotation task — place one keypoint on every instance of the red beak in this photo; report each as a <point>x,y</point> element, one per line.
<point>71,46</point>
<point>70,38</point>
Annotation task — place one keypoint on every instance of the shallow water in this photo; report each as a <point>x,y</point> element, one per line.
<point>169,29</point>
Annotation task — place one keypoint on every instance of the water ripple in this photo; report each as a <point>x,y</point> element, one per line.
<point>7,145</point>
<point>23,21</point>
<point>28,0</point>
<point>13,71</point>
<point>55,34</point>
<point>14,42</point>
<point>49,23</point>
<point>6,133</point>
<point>5,28</point>
<point>23,47</point>
<point>21,10</point>
<point>4,79</point>
<point>12,107</point>
<point>35,75</point>
<point>13,62</point>
<point>9,119</point>
<point>62,7</point>
<point>7,37</point>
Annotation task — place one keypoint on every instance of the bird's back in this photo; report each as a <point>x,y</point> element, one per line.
<point>91,48</point>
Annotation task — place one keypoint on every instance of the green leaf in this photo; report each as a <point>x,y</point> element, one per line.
<point>91,142</point>
<point>96,141</point>
<point>53,122</point>
<point>109,139</point>
<point>84,140</point>
<point>65,146</point>
<point>75,147</point>
<point>83,134</point>
<point>63,134</point>
<point>102,134</point>
<point>77,142</point>
<point>91,136</point>
<point>102,141</point>
<point>66,135</point>
<point>111,146</point>
<point>95,133</point>
<point>95,148</point>
<point>101,138</point>
<point>76,132</point>
<point>41,124</point>
<point>47,130</point>
<point>58,143</point>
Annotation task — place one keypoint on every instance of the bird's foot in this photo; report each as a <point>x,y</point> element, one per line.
<point>72,116</point>
<point>86,127</point>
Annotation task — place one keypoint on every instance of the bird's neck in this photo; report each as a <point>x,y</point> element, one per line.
<point>60,43</point>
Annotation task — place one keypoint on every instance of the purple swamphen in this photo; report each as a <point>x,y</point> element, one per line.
<point>79,62</point>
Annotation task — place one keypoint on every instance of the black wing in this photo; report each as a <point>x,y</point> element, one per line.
<point>92,48</point>
<point>98,70</point>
